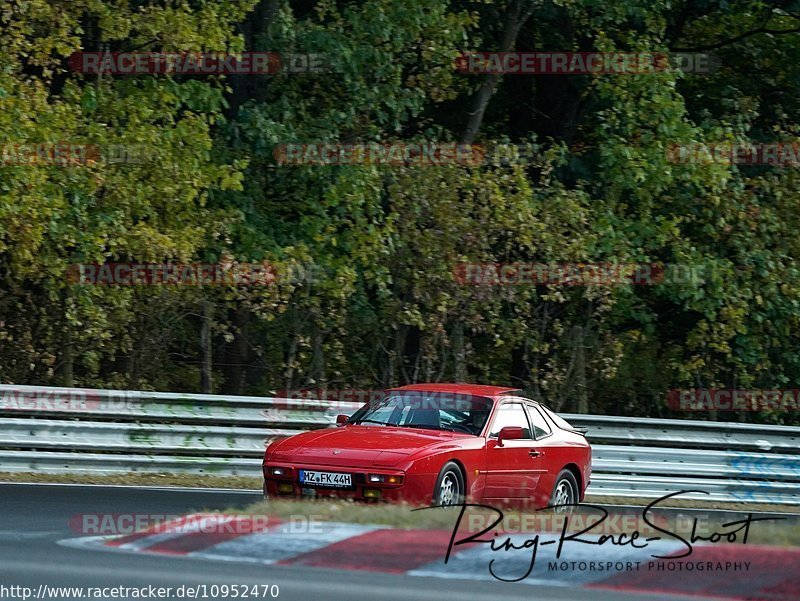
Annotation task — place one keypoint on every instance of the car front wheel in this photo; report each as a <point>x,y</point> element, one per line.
<point>449,488</point>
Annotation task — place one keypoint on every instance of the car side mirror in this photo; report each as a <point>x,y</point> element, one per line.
<point>341,419</point>
<point>509,433</point>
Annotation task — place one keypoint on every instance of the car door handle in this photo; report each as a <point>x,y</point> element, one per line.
<point>534,453</point>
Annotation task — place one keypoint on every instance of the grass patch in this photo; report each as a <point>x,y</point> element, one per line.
<point>138,479</point>
<point>398,515</point>
<point>700,504</point>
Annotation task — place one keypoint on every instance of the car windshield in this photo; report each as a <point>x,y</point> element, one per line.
<point>427,410</point>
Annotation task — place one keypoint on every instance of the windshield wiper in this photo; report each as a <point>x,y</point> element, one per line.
<point>422,426</point>
<point>457,431</point>
<point>372,421</point>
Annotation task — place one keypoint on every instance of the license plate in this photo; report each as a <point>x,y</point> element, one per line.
<point>333,479</point>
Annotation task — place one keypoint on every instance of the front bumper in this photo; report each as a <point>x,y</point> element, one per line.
<point>413,489</point>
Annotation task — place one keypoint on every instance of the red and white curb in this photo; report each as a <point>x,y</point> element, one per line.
<point>733,571</point>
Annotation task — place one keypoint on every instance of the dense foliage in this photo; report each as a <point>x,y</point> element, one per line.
<point>373,250</point>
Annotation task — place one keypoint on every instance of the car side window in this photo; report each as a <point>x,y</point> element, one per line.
<point>540,425</point>
<point>511,414</point>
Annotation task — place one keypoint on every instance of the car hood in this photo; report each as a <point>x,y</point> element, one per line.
<point>358,446</point>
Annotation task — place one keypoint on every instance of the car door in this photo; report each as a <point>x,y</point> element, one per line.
<point>542,434</point>
<point>512,470</point>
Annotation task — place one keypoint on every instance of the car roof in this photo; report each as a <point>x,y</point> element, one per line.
<point>471,389</point>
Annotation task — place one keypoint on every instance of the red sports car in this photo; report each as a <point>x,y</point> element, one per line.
<point>440,444</point>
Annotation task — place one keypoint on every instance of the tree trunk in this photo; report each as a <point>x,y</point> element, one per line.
<point>396,356</point>
<point>582,397</point>
<point>519,11</point>
<point>67,363</point>
<point>206,361</point>
<point>459,353</point>
<point>291,354</point>
<point>254,29</point>
<point>317,355</point>
<point>237,353</point>
<point>67,360</point>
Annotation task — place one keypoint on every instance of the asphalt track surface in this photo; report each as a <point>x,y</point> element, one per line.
<point>33,518</point>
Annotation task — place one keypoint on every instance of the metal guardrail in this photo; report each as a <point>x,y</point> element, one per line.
<point>57,430</point>
<point>692,434</point>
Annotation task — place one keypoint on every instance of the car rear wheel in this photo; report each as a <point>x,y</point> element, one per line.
<point>565,493</point>
<point>449,488</point>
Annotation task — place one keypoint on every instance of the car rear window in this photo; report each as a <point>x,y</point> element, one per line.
<point>558,421</point>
